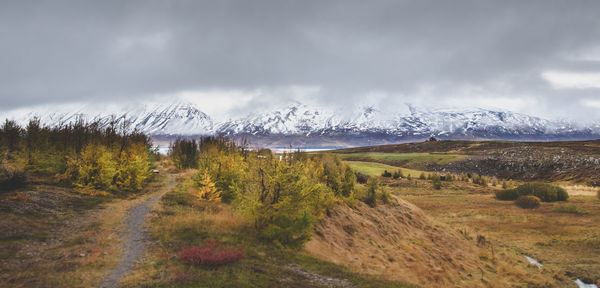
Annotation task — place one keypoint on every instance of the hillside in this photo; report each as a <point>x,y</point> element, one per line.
<point>575,161</point>
<point>399,241</point>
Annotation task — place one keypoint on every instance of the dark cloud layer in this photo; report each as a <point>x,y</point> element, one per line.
<point>451,52</point>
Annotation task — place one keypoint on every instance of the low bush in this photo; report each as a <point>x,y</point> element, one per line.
<point>437,183</point>
<point>361,177</point>
<point>480,180</point>
<point>371,192</point>
<point>507,195</point>
<point>528,202</point>
<point>386,174</point>
<point>598,194</point>
<point>546,192</point>
<point>386,196</point>
<point>570,209</point>
<point>10,180</point>
<point>211,254</point>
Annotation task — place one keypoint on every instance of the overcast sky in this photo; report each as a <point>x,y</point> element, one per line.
<point>536,57</point>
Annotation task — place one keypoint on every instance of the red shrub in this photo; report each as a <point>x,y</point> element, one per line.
<point>211,254</point>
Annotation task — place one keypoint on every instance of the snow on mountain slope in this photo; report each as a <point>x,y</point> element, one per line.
<point>178,118</point>
<point>297,119</point>
<point>292,119</point>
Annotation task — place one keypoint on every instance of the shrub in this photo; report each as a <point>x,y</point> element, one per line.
<point>386,173</point>
<point>211,254</point>
<point>480,180</point>
<point>422,176</point>
<point>289,231</point>
<point>598,194</point>
<point>10,180</point>
<point>570,209</point>
<point>372,187</point>
<point>507,195</point>
<point>528,202</point>
<point>546,192</point>
<point>398,174</point>
<point>437,183</point>
<point>361,177</point>
<point>385,196</point>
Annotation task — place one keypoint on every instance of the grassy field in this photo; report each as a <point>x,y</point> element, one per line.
<point>61,237</point>
<point>182,220</point>
<point>376,169</point>
<point>416,161</point>
<point>564,237</point>
<point>414,158</point>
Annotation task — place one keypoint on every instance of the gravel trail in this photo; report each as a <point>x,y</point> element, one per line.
<point>135,238</point>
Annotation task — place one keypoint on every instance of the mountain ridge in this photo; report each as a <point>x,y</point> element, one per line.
<point>297,120</point>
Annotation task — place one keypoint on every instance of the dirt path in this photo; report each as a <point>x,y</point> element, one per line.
<point>135,238</point>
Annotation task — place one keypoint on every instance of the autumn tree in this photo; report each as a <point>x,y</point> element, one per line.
<point>207,190</point>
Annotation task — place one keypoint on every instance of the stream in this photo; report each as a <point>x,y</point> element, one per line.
<point>579,283</point>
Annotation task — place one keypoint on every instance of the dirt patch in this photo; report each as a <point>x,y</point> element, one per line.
<point>396,241</point>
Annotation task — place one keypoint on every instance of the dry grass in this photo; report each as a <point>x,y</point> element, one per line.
<point>79,249</point>
<point>400,242</point>
<point>179,226</point>
<point>566,243</point>
<point>581,190</point>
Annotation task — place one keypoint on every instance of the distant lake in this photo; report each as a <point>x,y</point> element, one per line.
<point>165,150</point>
<point>302,149</point>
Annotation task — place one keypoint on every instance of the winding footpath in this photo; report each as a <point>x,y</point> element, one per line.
<point>135,238</point>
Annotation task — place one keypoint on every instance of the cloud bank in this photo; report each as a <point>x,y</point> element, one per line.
<point>536,57</point>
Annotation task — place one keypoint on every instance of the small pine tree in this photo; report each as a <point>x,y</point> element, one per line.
<point>504,185</point>
<point>408,177</point>
<point>422,176</point>
<point>207,191</point>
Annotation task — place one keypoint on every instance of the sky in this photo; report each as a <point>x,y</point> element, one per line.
<point>536,57</point>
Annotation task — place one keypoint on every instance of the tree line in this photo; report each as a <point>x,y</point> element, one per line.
<point>84,154</point>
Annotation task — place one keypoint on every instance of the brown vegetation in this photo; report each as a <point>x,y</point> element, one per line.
<point>397,241</point>
<point>566,243</point>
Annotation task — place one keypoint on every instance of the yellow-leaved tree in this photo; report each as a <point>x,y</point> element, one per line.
<point>207,191</point>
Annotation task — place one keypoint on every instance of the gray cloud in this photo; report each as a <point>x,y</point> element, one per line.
<point>447,52</point>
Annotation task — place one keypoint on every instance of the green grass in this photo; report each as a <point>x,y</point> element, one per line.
<point>573,209</point>
<point>412,158</point>
<point>376,169</point>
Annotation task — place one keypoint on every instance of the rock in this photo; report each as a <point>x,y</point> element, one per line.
<point>82,255</point>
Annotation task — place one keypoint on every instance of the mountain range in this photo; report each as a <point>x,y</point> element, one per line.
<point>305,125</point>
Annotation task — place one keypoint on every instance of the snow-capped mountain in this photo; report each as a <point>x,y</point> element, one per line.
<point>178,118</point>
<point>299,119</point>
<point>311,125</point>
